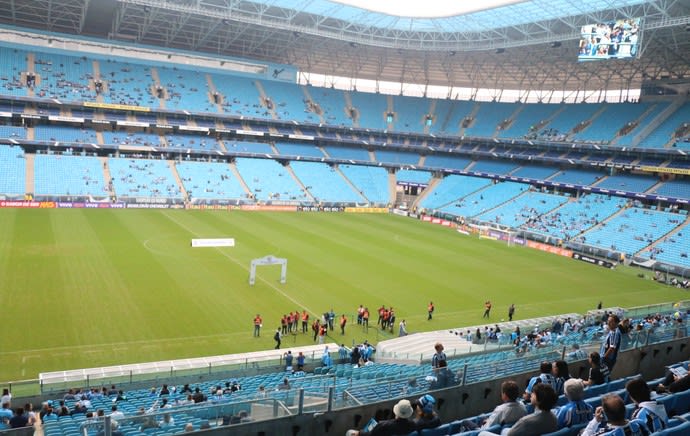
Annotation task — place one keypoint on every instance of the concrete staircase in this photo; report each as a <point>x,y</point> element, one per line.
<point>237,174</point>
<point>511,119</point>
<point>352,185</point>
<point>107,176</point>
<point>432,185</point>
<point>392,187</point>
<point>372,156</point>
<point>432,110</point>
<point>472,115</point>
<point>299,182</point>
<point>29,182</point>
<point>264,98</point>
<point>307,95</point>
<point>154,87</point>
<point>348,105</point>
<point>656,122</point>
<point>173,169</point>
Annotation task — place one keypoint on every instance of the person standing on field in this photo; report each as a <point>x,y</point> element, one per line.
<point>511,312</point>
<point>257,325</point>
<point>487,309</point>
<point>343,322</point>
<point>430,310</point>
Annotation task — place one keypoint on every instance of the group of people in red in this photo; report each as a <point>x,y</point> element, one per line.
<point>386,318</point>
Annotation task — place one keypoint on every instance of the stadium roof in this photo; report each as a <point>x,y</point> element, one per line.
<point>530,45</point>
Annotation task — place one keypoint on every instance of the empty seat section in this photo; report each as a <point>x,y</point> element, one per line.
<point>372,182</point>
<point>338,152</point>
<point>298,150</point>
<point>289,102</point>
<point>332,104</point>
<point>571,116</point>
<point>451,188</point>
<point>186,90</point>
<point>534,172</point>
<point>397,157</point>
<point>627,139</point>
<point>371,109</point>
<point>209,180</point>
<point>663,134</point>
<point>143,178</point>
<point>628,182</point>
<point>674,188</point>
<point>12,132</point>
<point>248,147</point>
<point>526,121</point>
<point>410,113</point>
<point>446,161</point>
<point>68,175</point>
<point>577,216</point>
<point>577,177</point>
<point>484,200</point>
<point>493,167</point>
<point>606,125</point>
<point>64,134</point>
<point>12,170</point>
<point>240,96</point>
<point>267,179</point>
<point>413,176</point>
<point>449,115</point>
<point>525,208</point>
<point>324,183</point>
<point>488,117</point>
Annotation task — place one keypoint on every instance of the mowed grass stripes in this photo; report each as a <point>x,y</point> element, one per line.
<point>85,288</point>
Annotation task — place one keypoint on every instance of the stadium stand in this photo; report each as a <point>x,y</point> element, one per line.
<point>534,172</point>
<point>607,124</point>
<point>127,83</point>
<point>451,188</point>
<point>64,77</point>
<point>576,216</point>
<point>488,118</point>
<point>12,132</point>
<point>332,104</point>
<point>14,64</point>
<point>627,139</point>
<point>269,180</point>
<point>131,138</point>
<point>209,181</point>
<point>288,149</point>
<point>413,176</point>
<point>371,109</point>
<point>372,182</point>
<point>192,142</point>
<point>571,116</point>
<point>627,182</point>
<point>527,120</point>
<point>12,170</point>
<point>673,248</point>
<point>57,175</point>
<point>397,157</point>
<point>493,167</point>
<point>663,134</point>
<point>64,134</point>
<point>579,177</point>
<point>632,229</point>
<point>446,161</point>
<point>357,154</point>
<point>486,199</point>
<point>410,113</point>
<point>325,182</point>
<point>290,102</point>
<point>143,178</point>
<point>185,89</point>
<point>674,188</point>
<point>248,147</point>
<point>524,208</point>
<point>240,96</point>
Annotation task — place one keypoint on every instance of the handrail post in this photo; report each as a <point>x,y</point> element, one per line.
<point>300,405</point>
<point>331,394</point>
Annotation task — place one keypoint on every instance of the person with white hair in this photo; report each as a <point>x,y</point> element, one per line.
<point>576,410</point>
<point>401,424</point>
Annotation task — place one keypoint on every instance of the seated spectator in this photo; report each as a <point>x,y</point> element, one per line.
<point>598,371</point>
<point>6,412</point>
<point>20,419</point>
<point>674,383</point>
<point>651,413</point>
<point>543,398</point>
<point>114,430</point>
<point>400,425</point>
<point>507,413</point>
<point>575,411</point>
<point>425,416</point>
<point>560,373</point>
<point>6,397</point>
<point>188,427</point>
<point>149,422</point>
<point>613,410</point>
<point>543,377</point>
<point>285,385</point>
<point>115,414</point>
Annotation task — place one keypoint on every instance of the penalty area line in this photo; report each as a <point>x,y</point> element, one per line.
<point>235,261</point>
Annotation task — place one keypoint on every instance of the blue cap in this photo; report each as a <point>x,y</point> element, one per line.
<point>427,402</point>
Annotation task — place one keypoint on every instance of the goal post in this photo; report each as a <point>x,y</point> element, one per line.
<point>498,234</point>
<point>265,261</point>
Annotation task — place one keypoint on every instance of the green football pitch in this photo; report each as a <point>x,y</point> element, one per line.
<point>86,288</point>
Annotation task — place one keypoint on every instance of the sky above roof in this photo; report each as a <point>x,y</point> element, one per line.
<point>447,15</point>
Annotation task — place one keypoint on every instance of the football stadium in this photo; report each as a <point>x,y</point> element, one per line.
<point>316,217</point>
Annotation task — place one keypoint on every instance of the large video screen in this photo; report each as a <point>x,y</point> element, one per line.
<point>618,39</point>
